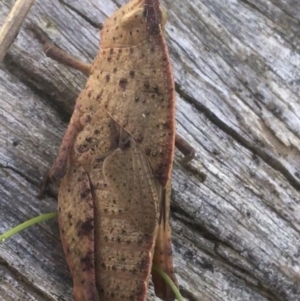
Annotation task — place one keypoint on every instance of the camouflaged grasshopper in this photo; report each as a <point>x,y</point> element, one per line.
<point>116,160</point>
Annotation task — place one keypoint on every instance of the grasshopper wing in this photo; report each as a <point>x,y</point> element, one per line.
<point>163,250</point>
<point>76,221</point>
<point>127,225</point>
<point>129,174</point>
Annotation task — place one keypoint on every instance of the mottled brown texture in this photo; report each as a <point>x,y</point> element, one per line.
<point>126,225</point>
<point>108,223</point>
<point>120,154</point>
<point>75,210</point>
<point>142,104</point>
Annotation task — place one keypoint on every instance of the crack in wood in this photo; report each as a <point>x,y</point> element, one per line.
<point>83,16</point>
<point>30,285</point>
<point>19,173</point>
<point>272,162</point>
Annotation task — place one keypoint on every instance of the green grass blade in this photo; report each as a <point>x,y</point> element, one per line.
<point>35,220</point>
<point>168,280</point>
<point>47,216</point>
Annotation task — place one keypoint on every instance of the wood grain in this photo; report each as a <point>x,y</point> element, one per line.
<point>236,63</point>
<point>12,24</point>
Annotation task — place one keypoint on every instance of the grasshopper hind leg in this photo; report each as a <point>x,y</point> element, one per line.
<point>57,54</point>
<point>163,258</point>
<point>189,154</point>
<point>76,223</point>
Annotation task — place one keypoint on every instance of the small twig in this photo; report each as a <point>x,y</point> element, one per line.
<point>12,24</point>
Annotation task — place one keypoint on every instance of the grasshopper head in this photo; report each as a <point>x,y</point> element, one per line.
<point>133,23</point>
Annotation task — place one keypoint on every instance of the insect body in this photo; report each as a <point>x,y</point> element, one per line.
<point>116,160</point>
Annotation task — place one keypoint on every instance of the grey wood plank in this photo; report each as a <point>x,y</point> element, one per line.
<point>236,64</point>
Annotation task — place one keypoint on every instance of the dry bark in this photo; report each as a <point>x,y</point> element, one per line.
<point>236,236</point>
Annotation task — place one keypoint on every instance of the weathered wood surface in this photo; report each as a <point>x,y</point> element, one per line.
<point>236,62</point>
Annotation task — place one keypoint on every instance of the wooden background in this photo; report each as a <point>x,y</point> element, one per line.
<point>236,62</point>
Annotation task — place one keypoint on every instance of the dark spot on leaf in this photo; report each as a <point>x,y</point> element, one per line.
<point>123,83</point>
<point>99,95</point>
<point>87,261</point>
<point>85,193</point>
<point>88,118</point>
<point>146,85</point>
<point>85,228</point>
<point>156,90</point>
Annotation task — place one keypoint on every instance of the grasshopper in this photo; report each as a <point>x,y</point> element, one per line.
<point>116,160</point>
